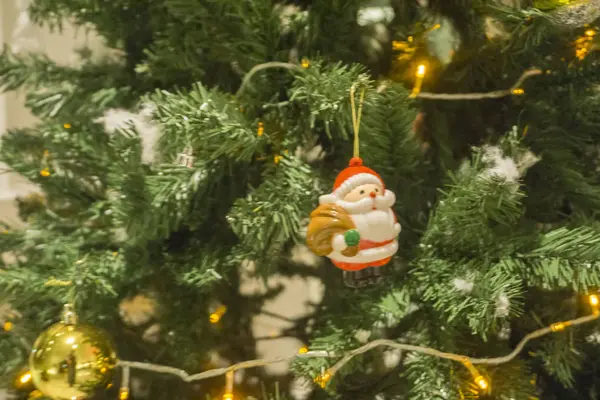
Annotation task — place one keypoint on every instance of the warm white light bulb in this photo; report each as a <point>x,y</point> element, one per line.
<point>26,377</point>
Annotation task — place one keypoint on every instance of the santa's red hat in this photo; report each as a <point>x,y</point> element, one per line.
<point>355,175</point>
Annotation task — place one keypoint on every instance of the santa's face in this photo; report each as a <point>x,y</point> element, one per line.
<point>370,208</point>
<point>364,191</point>
<point>367,197</point>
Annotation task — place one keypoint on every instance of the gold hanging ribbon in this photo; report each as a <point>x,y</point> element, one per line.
<point>356,115</point>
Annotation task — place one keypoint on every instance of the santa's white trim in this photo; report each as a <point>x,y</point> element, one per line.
<point>397,228</point>
<point>328,199</point>
<point>354,182</point>
<point>367,255</point>
<point>339,243</point>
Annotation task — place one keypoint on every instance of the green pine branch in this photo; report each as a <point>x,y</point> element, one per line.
<point>55,90</point>
<point>324,90</point>
<point>273,213</point>
<point>209,122</point>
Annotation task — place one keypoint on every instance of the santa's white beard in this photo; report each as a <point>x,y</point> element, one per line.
<point>377,224</point>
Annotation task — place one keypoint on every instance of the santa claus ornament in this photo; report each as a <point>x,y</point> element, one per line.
<point>355,225</point>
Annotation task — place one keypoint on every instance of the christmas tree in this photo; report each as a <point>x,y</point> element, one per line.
<point>190,158</point>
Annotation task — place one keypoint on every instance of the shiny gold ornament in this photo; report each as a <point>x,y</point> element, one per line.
<point>547,5</point>
<point>575,14</point>
<point>71,361</point>
<point>36,394</point>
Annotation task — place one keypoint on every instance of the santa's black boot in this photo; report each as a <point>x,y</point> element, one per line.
<point>356,279</point>
<point>375,276</point>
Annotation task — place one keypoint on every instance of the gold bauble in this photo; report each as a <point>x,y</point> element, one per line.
<point>71,361</point>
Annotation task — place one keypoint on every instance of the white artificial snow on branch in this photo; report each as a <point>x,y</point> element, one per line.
<point>506,168</point>
<point>501,167</point>
<point>463,285</point>
<point>115,119</point>
<point>502,306</point>
<point>374,15</point>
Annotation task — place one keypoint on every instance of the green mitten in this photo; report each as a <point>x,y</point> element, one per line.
<point>352,238</point>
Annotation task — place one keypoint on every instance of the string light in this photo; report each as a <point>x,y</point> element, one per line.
<point>326,375</point>
<point>67,125</point>
<point>277,159</point>
<point>261,129</point>
<point>303,350</point>
<point>229,380</point>
<point>420,75</point>
<point>305,62</point>
<point>26,377</point>
<point>590,33</point>
<point>216,316</point>
<point>8,326</point>
<point>595,302</point>
<point>323,378</point>
<point>123,393</point>
<point>45,172</point>
<point>495,94</point>
<point>479,380</point>
<point>559,326</point>
<point>518,91</point>
<point>124,390</point>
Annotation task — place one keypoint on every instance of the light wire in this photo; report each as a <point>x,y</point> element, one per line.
<point>162,369</point>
